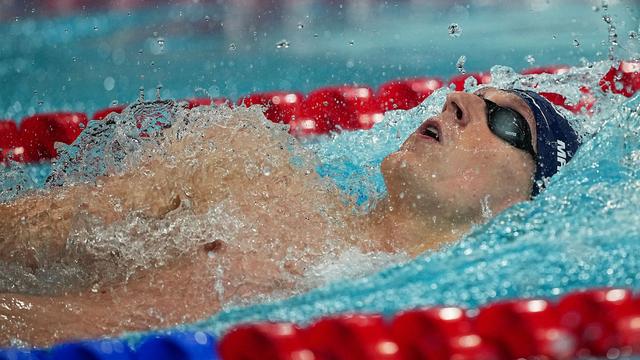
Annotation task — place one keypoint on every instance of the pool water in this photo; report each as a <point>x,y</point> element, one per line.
<point>86,61</point>
<point>581,232</point>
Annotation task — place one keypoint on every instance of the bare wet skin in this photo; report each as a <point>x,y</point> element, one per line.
<point>218,215</point>
<point>241,237</point>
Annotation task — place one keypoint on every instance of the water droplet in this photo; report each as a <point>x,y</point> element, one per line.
<point>455,30</point>
<point>282,44</point>
<point>607,19</point>
<point>530,59</point>
<point>109,83</point>
<point>315,35</point>
<point>576,43</point>
<point>95,288</point>
<point>74,59</point>
<point>633,35</point>
<point>17,18</point>
<point>141,94</point>
<point>232,47</point>
<point>140,51</point>
<point>95,27</point>
<point>460,64</point>
<point>300,26</point>
<point>207,18</point>
<point>351,43</point>
<point>595,8</point>
<point>161,42</point>
<point>266,171</point>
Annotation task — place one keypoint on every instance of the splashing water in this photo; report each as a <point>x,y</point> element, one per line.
<point>585,222</point>
<point>454,30</point>
<point>460,64</point>
<point>203,150</point>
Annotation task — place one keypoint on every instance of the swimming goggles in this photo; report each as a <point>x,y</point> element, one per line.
<point>509,126</point>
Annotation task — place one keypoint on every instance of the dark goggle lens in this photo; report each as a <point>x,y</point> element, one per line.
<point>509,126</point>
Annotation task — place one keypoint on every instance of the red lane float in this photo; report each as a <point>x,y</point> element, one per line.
<point>352,337</point>
<point>335,108</point>
<point>525,329</point>
<point>40,132</point>
<point>440,333</point>
<point>624,79</point>
<point>361,100</point>
<point>264,341</point>
<point>584,105</point>
<point>586,102</point>
<point>592,316</point>
<point>597,322</point>
<point>407,93</point>
<point>458,81</point>
<point>10,141</point>
<point>627,325</point>
<point>332,108</point>
<point>279,106</point>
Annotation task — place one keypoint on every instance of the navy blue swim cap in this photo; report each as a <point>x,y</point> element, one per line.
<point>557,141</point>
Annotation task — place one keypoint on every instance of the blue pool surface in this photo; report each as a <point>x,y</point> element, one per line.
<point>583,231</point>
<point>88,60</point>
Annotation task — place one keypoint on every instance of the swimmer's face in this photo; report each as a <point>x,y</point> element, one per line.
<point>469,171</point>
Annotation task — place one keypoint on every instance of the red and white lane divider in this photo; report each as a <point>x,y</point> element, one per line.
<point>319,112</point>
<point>598,322</point>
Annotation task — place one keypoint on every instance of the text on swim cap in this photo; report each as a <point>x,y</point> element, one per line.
<point>562,154</point>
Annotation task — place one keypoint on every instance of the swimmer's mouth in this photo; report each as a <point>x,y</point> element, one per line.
<point>431,130</point>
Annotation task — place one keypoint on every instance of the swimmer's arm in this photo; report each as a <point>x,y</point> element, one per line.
<point>35,228</point>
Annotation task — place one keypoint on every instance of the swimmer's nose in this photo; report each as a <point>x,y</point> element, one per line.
<point>460,106</point>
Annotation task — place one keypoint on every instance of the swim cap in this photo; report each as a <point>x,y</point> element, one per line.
<point>556,142</point>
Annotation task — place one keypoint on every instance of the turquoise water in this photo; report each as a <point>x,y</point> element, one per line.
<point>583,231</point>
<point>88,60</point>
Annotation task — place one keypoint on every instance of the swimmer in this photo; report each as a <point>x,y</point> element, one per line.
<point>483,153</point>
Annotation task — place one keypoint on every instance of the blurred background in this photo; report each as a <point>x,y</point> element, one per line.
<point>83,55</point>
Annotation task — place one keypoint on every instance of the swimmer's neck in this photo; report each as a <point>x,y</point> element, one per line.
<point>397,229</point>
